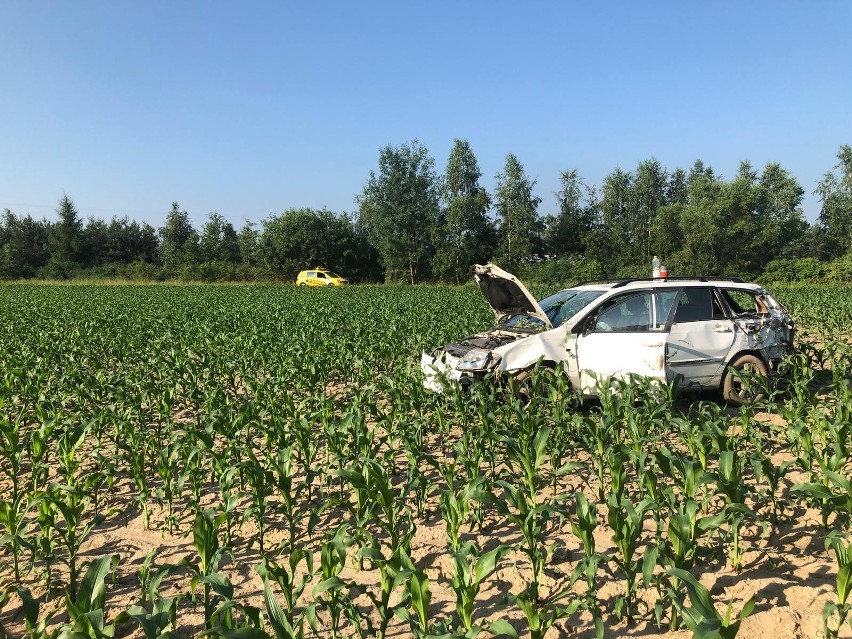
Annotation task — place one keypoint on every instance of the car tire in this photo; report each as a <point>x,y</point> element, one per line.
<point>330,284</point>
<point>302,284</point>
<point>733,390</point>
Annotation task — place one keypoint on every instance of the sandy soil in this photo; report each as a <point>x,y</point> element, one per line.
<point>787,570</point>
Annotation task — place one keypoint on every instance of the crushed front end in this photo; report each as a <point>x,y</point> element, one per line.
<point>472,358</point>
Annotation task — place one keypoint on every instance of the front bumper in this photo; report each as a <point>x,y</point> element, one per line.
<point>437,371</point>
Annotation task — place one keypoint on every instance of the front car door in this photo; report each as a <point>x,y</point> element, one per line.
<point>624,336</point>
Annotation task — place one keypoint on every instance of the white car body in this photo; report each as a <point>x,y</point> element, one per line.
<point>656,328</point>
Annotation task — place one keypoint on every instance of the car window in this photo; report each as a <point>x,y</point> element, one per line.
<point>312,274</point>
<point>322,275</point>
<point>663,302</point>
<point>566,304</point>
<point>697,305</point>
<point>558,307</point>
<point>741,302</point>
<point>628,313</point>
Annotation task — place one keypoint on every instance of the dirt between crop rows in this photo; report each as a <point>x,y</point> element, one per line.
<point>788,571</point>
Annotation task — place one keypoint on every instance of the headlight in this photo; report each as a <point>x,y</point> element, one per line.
<point>474,360</point>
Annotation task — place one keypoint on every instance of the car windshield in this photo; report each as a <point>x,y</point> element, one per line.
<point>559,307</point>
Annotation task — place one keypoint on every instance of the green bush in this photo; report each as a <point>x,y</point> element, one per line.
<point>805,269</point>
<point>561,271</point>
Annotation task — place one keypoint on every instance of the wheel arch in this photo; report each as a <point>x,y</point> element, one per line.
<point>727,385</point>
<point>736,356</point>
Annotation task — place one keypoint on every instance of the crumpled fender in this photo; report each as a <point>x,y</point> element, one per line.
<point>526,352</point>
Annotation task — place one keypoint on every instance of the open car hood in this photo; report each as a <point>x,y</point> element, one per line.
<point>506,294</point>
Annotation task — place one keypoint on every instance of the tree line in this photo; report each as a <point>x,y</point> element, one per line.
<point>416,225</point>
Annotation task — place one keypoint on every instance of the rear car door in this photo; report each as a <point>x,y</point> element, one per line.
<point>700,338</point>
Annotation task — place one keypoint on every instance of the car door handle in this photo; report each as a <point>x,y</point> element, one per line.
<point>721,328</point>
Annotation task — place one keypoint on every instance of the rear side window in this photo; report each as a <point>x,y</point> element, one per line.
<point>743,302</point>
<point>698,305</point>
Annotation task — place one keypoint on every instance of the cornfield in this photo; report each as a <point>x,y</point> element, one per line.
<point>264,462</point>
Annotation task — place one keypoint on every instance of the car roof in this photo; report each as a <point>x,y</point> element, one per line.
<point>677,282</point>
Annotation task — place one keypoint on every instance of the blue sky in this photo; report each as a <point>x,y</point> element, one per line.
<point>251,108</point>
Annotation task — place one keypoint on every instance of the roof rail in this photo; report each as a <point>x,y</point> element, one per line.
<point>700,278</point>
<point>584,282</point>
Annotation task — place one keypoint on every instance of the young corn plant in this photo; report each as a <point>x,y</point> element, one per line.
<point>135,457</point>
<point>229,499</point>
<point>331,594</point>
<point>472,568</point>
<point>464,463</point>
<point>68,443</point>
<point>583,525</point>
<point>626,524</point>
<point>169,470</point>
<point>294,500</point>
<point>392,513</point>
<point>528,456</point>
<point>679,548</point>
<point>231,618</point>
<point>420,597</point>
<point>291,579</point>
<point>774,474</point>
<point>159,622</point>
<point>598,435</point>
<point>15,502</point>
<point>39,448</point>
<point>702,619</point>
<point>261,483</point>
<point>834,496</point>
<point>456,508</point>
<point>532,520</point>
<point>731,485</point>
<point>307,451</point>
<point>417,482</point>
<point>72,505</point>
<point>205,571</point>
<point>284,625</point>
<point>393,570</point>
<point>542,615</point>
<point>86,607</point>
<point>156,615</point>
<point>194,467</point>
<point>15,522</point>
<point>45,540</point>
<point>841,610</point>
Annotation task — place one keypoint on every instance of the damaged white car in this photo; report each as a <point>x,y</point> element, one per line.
<point>699,328</point>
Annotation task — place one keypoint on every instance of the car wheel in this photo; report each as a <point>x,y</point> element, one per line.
<point>737,391</point>
<point>302,284</point>
<point>330,284</point>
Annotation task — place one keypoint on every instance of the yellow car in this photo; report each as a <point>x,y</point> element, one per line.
<point>320,277</point>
